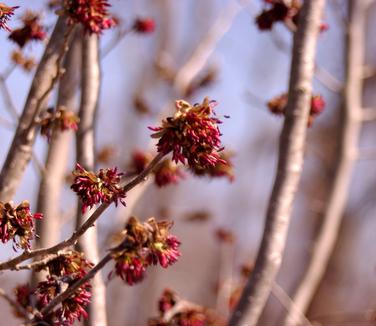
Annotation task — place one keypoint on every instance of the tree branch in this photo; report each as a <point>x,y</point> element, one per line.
<point>290,163</point>
<point>347,146</point>
<point>13,264</point>
<point>45,77</point>
<point>85,151</point>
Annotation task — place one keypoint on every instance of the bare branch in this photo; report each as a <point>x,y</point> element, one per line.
<point>290,163</point>
<point>347,147</point>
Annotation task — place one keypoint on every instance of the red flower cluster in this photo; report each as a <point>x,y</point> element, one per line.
<point>144,25</point>
<point>278,104</point>
<point>92,14</point>
<point>192,135</point>
<point>219,170</point>
<point>61,119</point>
<point>32,30</point>
<point>63,271</point>
<point>5,14</point>
<point>167,173</point>
<point>188,315</point>
<point>144,244</point>
<point>17,223</point>
<point>102,187</point>
<point>281,11</point>
<point>139,161</point>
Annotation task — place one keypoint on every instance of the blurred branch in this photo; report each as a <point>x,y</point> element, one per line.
<point>23,312</point>
<point>45,77</point>
<point>13,263</point>
<point>290,163</point>
<point>205,48</point>
<point>347,148</point>
<point>85,151</point>
<point>288,304</point>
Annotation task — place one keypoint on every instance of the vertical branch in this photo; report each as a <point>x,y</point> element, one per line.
<point>290,163</point>
<point>20,151</point>
<point>85,156</point>
<point>347,149</point>
<point>52,180</point>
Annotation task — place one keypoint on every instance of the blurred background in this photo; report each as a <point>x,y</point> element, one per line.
<point>142,76</point>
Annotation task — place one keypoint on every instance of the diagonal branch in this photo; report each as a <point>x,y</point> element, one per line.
<point>290,163</point>
<point>13,264</point>
<point>347,148</point>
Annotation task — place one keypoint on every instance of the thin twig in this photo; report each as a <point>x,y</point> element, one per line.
<point>13,263</point>
<point>290,164</point>
<point>68,292</point>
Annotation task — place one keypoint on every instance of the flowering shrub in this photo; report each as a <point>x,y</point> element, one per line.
<point>17,224</point>
<point>31,30</point>
<point>102,187</point>
<point>144,244</point>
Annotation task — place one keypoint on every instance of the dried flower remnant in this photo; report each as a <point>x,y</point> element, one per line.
<point>176,312</point>
<point>223,168</point>
<point>17,224</point>
<point>92,14</point>
<point>5,14</point>
<point>278,105</point>
<point>167,173</point>
<point>69,263</point>
<point>225,236</point>
<point>144,25</point>
<point>144,244</point>
<point>102,187</point>
<point>61,119</point>
<point>106,154</point>
<point>31,30</point>
<point>281,11</point>
<point>139,161</point>
<point>26,63</point>
<point>192,135</point>
<point>23,294</point>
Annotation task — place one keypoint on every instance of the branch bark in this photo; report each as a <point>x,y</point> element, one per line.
<point>290,163</point>
<point>347,148</point>
<point>20,151</point>
<point>14,263</point>
<point>88,243</point>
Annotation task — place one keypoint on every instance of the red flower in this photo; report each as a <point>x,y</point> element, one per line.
<point>317,104</point>
<point>223,168</point>
<point>144,25</point>
<point>72,308</point>
<point>144,244</point>
<point>166,173</point>
<point>92,14</point>
<point>102,187</point>
<point>31,30</point>
<point>139,161</point>
<point>17,223</point>
<point>130,269</point>
<point>61,119</point>
<point>5,14</point>
<point>192,135</point>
